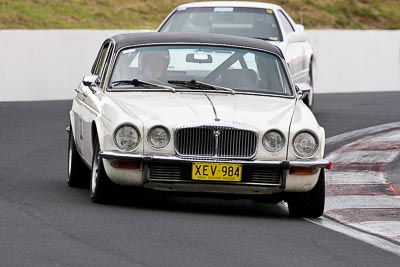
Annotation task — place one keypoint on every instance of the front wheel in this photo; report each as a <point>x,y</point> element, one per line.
<point>101,188</point>
<point>309,204</point>
<point>78,173</point>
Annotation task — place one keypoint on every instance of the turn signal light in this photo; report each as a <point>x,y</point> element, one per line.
<point>126,164</point>
<point>303,170</point>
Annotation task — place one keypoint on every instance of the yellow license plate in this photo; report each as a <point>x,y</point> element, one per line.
<point>206,171</point>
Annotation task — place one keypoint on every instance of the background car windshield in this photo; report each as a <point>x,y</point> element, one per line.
<point>246,22</point>
<point>239,69</point>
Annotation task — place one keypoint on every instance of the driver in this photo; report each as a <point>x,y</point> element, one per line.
<point>153,65</point>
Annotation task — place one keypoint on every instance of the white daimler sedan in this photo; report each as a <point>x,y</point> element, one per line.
<point>201,114</point>
<point>249,19</point>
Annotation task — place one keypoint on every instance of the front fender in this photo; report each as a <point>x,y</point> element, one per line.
<point>304,120</point>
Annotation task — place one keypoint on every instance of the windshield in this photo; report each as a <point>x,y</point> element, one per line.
<point>199,67</point>
<point>246,22</point>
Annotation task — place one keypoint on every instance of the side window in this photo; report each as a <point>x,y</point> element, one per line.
<point>100,59</point>
<point>106,64</point>
<point>287,26</point>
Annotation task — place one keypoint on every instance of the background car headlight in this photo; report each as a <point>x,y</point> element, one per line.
<point>305,144</point>
<point>273,141</point>
<point>158,137</point>
<point>126,137</point>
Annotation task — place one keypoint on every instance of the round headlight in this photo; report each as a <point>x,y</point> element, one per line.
<point>158,137</point>
<point>273,141</point>
<point>126,137</point>
<point>305,144</point>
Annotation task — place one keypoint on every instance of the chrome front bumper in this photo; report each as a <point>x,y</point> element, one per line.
<point>116,155</point>
<point>277,179</point>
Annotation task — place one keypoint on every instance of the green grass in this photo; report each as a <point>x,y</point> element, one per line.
<point>147,14</point>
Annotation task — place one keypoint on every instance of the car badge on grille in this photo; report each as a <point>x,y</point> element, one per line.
<point>216,136</point>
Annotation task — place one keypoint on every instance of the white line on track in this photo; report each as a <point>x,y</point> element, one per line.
<point>374,240</point>
<point>357,234</point>
<point>359,133</point>
<point>383,228</point>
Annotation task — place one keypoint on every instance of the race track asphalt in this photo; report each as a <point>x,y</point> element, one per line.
<point>43,222</point>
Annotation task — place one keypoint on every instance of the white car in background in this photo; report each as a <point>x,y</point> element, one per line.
<point>258,20</point>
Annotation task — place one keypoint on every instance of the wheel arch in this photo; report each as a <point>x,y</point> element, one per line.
<point>94,133</point>
<point>71,122</point>
<point>311,69</point>
<point>97,132</point>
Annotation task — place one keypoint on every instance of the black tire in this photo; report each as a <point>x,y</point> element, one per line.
<point>78,172</point>
<point>309,99</point>
<point>102,189</point>
<point>309,204</point>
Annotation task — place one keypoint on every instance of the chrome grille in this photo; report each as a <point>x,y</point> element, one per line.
<point>215,141</point>
<point>195,141</point>
<point>236,143</point>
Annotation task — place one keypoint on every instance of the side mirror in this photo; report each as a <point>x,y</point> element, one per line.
<point>299,27</point>
<point>302,89</point>
<point>91,80</point>
<point>296,37</point>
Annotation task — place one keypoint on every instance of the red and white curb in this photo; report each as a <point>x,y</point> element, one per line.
<point>358,193</point>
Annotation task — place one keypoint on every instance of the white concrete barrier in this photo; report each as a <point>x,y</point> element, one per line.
<point>49,64</point>
<point>46,64</point>
<point>356,60</point>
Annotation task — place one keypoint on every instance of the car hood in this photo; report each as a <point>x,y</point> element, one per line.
<point>171,109</point>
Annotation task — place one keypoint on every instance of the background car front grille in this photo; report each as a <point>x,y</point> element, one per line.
<point>211,141</point>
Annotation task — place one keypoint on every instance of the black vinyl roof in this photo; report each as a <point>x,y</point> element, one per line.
<point>143,38</point>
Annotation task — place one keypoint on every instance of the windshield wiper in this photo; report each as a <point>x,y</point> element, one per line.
<point>136,83</point>
<point>200,85</point>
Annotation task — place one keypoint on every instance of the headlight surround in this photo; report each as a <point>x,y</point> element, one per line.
<point>126,137</point>
<point>273,141</point>
<point>158,137</point>
<point>305,144</point>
